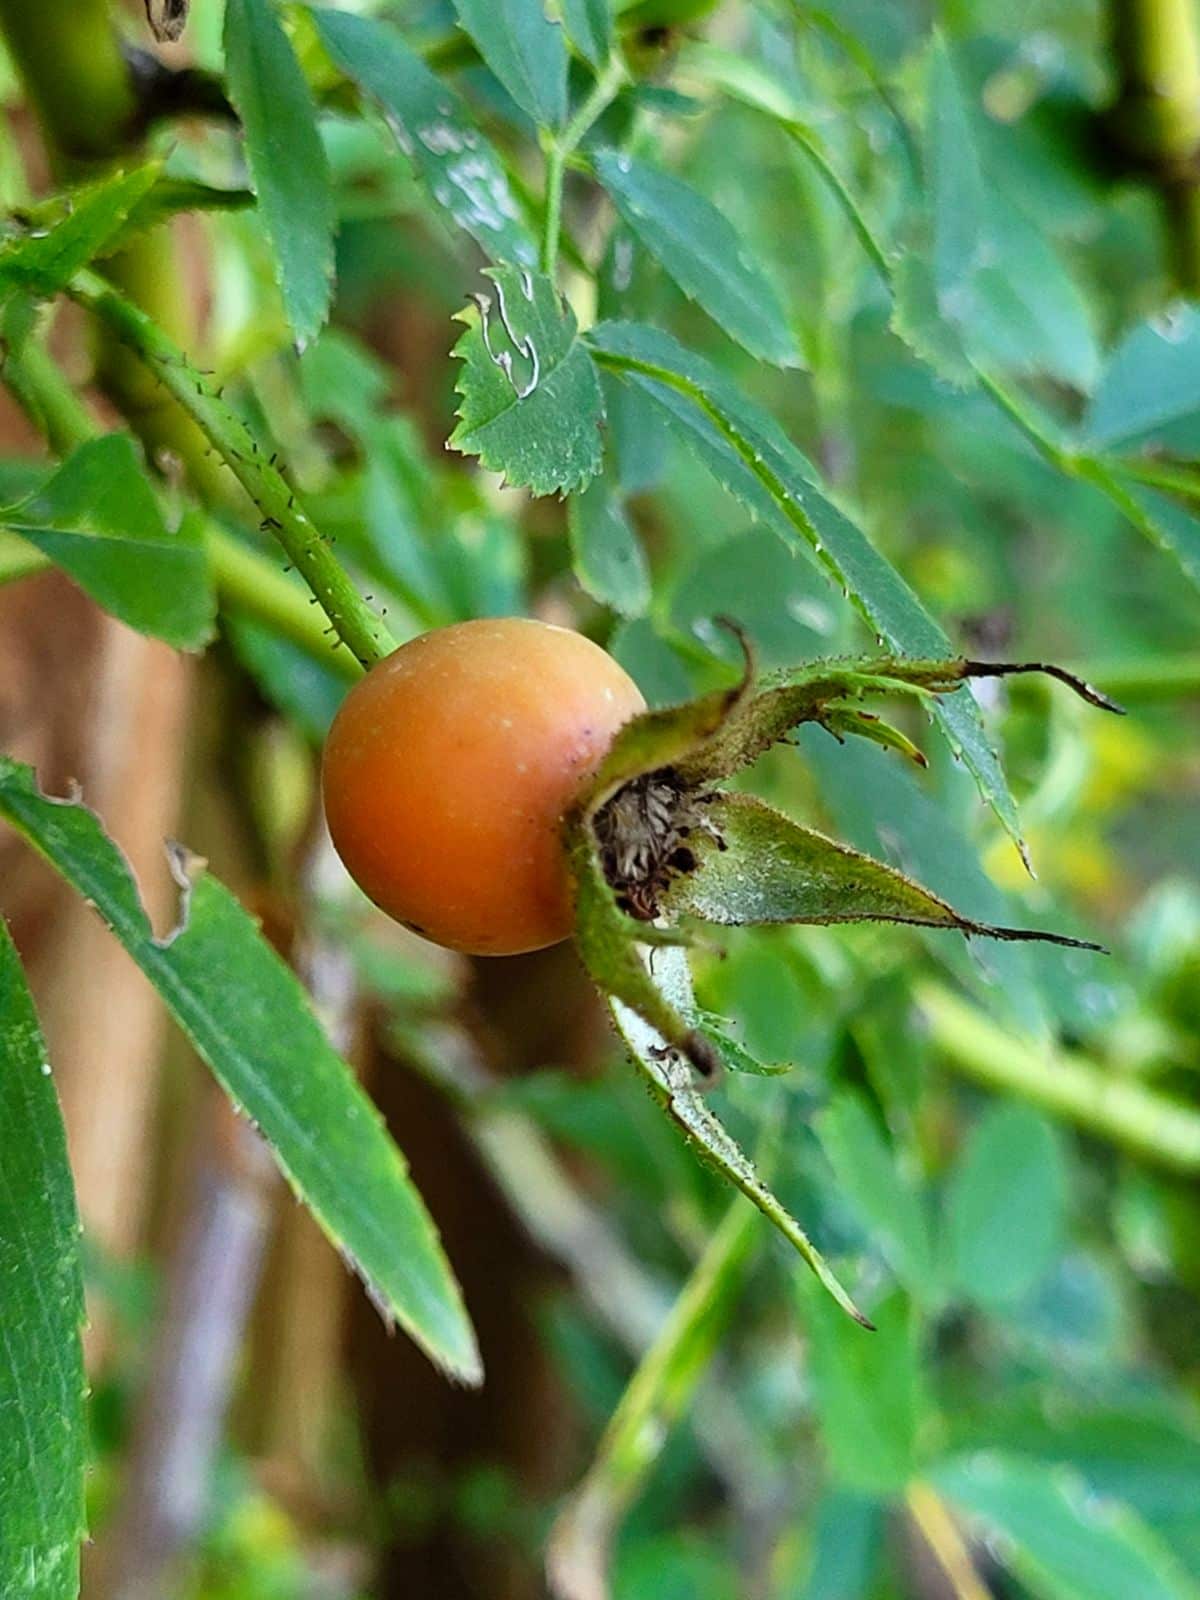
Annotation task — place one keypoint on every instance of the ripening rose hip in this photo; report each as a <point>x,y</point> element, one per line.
<point>450,766</point>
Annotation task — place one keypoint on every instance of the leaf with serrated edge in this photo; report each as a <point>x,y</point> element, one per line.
<point>531,403</point>
<point>526,51</point>
<point>759,867</point>
<point>699,247</point>
<point>98,520</point>
<point>248,1017</point>
<point>589,27</point>
<point>288,168</point>
<point>47,260</point>
<point>748,452</point>
<point>457,165</point>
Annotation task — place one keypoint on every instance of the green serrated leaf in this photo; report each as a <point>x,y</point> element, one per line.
<point>748,81</point>
<point>97,519</point>
<point>589,27</point>
<point>248,1017</point>
<point>747,452</point>
<point>41,1315</point>
<point>525,50</point>
<point>459,169</point>
<point>288,169</point>
<point>531,404</point>
<point>608,560</point>
<point>757,867</point>
<point>47,260</point>
<point>701,250</point>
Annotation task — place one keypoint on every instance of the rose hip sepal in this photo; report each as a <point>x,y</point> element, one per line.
<point>656,848</point>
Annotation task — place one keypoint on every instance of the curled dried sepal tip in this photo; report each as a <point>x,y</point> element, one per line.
<point>1012,669</point>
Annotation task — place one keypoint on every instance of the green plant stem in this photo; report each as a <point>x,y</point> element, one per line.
<point>18,559</point>
<point>74,72</point>
<point>1138,1119</point>
<point>72,68</point>
<point>353,621</point>
<point>1159,678</point>
<point>943,1536</point>
<point>1173,477</point>
<point>1157,48</point>
<point>1156,119</point>
<point>560,146</point>
<point>246,581</point>
<point>656,1395</point>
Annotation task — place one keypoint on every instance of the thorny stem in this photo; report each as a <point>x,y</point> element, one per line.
<point>246,581</point>
<point>559,147</point>
<point>358,627</point>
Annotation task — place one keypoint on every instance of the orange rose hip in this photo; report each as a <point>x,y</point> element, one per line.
<point>450,766</point>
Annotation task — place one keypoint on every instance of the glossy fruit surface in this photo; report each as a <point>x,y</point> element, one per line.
<point>448,770</point>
